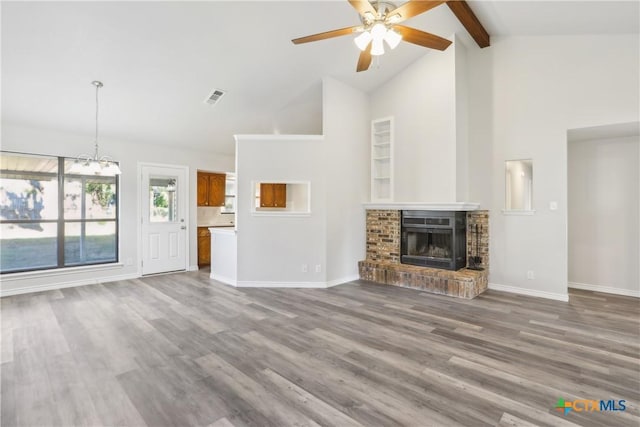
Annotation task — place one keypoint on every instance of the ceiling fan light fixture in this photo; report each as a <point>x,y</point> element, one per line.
<point>377,47</point>
<point>392,38</point>
<point>393,19</point>
<point>368,17</point>
<point>378,31</point>
<point>363,40</point>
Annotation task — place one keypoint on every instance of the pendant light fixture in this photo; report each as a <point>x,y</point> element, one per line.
<point>96,165</point>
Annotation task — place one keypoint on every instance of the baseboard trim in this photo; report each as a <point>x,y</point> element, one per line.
<point>69,284</point>
<point>266,284</point>
<point>529,292</point>
<point>298,285</point>
<point>193,268</point>
<point>342,280</point>
<point>605,289</point>
<point>223,279</point>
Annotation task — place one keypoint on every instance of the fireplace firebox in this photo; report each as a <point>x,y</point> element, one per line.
<point>434,239</point>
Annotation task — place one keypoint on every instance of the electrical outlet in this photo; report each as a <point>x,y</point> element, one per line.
<point>318,268</point>
<point>530,275</point>
<point>305,268</point>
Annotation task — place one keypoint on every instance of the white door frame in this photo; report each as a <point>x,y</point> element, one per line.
<point>143,200</point>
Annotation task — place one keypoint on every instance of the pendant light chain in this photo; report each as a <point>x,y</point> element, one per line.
<point>87,165</point>
<point>98,85</point>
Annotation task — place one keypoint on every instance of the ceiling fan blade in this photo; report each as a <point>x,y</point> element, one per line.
<point>363,6</point>
<point>411,9</point>
<point>421,38</point>
<point>364,61</point>
<point>327,35</point>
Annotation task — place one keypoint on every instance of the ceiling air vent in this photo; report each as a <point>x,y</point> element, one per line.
<point>215,96</point>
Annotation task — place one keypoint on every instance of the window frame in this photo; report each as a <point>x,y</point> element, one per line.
<point>61,221</point>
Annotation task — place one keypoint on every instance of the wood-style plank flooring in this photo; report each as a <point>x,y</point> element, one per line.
<point>182,350</point>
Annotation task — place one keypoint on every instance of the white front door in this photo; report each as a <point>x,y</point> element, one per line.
<point>165,192</point>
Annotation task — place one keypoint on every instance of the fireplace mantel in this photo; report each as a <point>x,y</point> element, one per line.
<point>453,206</point>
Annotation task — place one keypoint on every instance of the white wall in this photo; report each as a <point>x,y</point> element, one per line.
<point>462,121</point>
<point>423,101</point>
<point>272,249</point>
<point>604,214</point>
<point>528,91</point>
<point>301,114</point>
<point>39,141</point>
<point>347,134</point>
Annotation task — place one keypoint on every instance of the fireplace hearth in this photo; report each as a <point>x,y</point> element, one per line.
<point>383,262</point>
<point>434,239</point>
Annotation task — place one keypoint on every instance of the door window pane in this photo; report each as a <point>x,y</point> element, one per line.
<point>89,242</point>
<point>26,246</point>
<point>163,206</point>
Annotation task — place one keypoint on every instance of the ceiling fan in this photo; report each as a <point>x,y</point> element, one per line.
<point>381,24</point>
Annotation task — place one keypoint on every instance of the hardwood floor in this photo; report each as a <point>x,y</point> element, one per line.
<point>182,350</point>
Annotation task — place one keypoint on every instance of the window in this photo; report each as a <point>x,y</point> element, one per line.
<point>50,218</point>
<point>229,195</point>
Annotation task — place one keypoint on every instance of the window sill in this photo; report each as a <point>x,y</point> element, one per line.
<point>518,212</point>
<point>53,272</point>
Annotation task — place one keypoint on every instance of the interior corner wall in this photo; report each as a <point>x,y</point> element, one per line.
<point>272,249</point>
<point>347,136</point>
<point>461,122</point>
<point>302,114</point>
<point>47,142</point>
<point>604,214</point>
<point>480,172</point>
<point>422,99</point>
<point>538,88</point>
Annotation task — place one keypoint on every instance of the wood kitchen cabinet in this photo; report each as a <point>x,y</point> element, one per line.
<point>204,246</point>
<point>273,195</point>
<point>211,188</point>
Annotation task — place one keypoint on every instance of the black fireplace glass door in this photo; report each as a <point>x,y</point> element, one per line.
<point>431,243</point>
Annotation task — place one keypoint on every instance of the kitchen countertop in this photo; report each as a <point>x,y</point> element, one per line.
<point>215,226</point>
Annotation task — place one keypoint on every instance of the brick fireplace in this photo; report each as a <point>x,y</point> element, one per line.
<point>382,263</point>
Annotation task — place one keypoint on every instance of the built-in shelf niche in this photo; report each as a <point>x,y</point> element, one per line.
<point>382,159</point>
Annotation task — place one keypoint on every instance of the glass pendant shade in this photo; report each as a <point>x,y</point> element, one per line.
<point>378,31</point>
<point>363,40</point>
<point>111,169</point>
<point>93,168</point>
<point>392,38</point>
<point>377,47</point>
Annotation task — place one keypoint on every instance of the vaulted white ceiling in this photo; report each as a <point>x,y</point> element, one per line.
<point>159,60</point>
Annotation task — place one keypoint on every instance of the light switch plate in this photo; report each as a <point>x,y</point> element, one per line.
<point>553,206</point>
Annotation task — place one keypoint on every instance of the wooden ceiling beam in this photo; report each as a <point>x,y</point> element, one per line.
<point>470,21</point>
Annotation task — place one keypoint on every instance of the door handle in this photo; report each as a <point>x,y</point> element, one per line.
<point>184,227</point>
